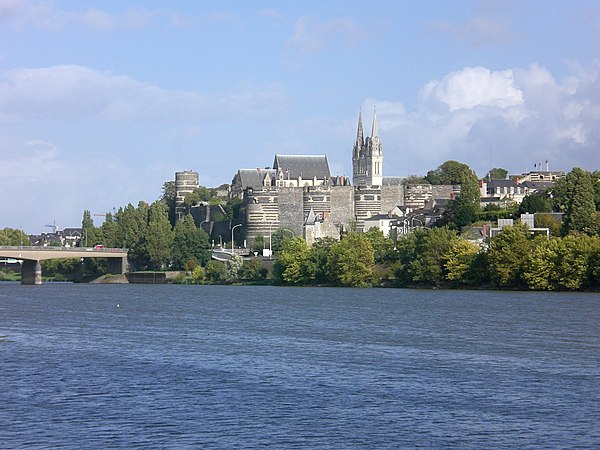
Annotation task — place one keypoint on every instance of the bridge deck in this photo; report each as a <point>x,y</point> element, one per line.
<point>43,253</point>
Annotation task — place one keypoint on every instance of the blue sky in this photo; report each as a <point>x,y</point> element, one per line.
<point>102,101</point>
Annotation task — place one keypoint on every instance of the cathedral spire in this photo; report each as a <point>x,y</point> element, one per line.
<point>374,130</point>
<point>359,134</point>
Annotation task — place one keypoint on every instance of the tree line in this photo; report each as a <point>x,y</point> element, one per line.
<point>439,257</point>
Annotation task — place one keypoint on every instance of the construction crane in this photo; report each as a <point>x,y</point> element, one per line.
<point>53,226</point>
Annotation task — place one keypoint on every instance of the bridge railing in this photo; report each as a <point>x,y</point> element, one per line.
<point>65,249</point>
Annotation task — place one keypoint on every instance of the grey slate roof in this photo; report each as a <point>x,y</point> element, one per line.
<point>538,185</point>
<point>254,177</point>
<point>501,183</point>
<point>305,166</point>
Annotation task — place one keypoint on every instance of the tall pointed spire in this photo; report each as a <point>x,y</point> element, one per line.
<point>374,130</point>
<point>359,134</point>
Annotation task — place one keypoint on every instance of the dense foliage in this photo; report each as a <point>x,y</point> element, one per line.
<point>12,237</point>
<point>439,257</point>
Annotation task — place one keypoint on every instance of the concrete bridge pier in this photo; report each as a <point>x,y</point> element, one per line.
<point>116,266</point>
<point>31,272</point>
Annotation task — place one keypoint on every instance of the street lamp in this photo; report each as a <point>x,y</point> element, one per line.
<point>270,240</point>
<point>234,227</point>
<point>419,220</point>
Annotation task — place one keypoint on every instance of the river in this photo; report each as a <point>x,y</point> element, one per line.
<point>163,366</point>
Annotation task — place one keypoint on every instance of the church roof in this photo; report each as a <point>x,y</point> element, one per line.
<point>254,177</point>
<point>305,166</point>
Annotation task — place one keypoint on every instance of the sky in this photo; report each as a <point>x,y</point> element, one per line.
<point>101,102</point>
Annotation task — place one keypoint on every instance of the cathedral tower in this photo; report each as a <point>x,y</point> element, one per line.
<point>367,156</point>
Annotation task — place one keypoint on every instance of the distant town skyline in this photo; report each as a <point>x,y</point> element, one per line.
<point>102,102</point>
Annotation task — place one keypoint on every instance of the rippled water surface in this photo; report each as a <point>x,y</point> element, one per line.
<point>105,366</point>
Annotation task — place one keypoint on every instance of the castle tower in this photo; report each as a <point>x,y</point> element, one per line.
<point>367,156</point>
<point>185,182</point>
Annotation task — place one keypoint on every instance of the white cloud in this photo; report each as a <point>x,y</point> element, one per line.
<point>509,118</point>
<point>474,86</point>
<point>76,92</point>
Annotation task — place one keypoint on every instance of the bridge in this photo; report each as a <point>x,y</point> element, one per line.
<point>31,270</point>
<point>222,254</point>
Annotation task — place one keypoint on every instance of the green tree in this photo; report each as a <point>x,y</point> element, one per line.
<point>431,246</point>
<point>169,197</point>
<point>579,202</point>
<point>350,261</point>
<point>253,270</point>
<point>497,173</point>
<point>232,208</point>
<point>215,271</point>
<point>198,275</point>
<point>383,246</point>
<point>450,172</point>
<point>543,220</point>
<point>132,223</point>
<point>464,209</point>
<point>467,204</point>
<point>507,255</point>
<point>291,265</point>
<point>407,251</point>
<point>596,183</point>
<point>62,269</point>
<point>460,262</point>
<point>88,230</point>
<point>13,237</point>
<point>562,263</point>
<point>234,267</point>
<point>109,230</point>
<point>316,266</point>
<point>189,243</point>
<point>535,203</point>
<point>278,237</point>
<point>259,244</point>
<point>153,249</point>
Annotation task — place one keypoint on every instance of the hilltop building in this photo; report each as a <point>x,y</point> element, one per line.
<point>298,193</point>
<point>516,187</point>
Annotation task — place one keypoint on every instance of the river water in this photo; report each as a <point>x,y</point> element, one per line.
<point>140,366</point>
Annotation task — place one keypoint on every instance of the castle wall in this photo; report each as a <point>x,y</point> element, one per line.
<point>291,211</point>
<point>262,212</point>
<point>445,191</point>
<point>317,198</point>
<point>367,203</point>
<point>416,195</point>
<point>342,205</point>
<point>391,196</point>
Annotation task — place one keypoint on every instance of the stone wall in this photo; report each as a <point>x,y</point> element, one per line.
<point>391,196</point>
<point>445,191</point>
<point>342,205</point>
<point>367,203</point>
<point>291,211</point>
